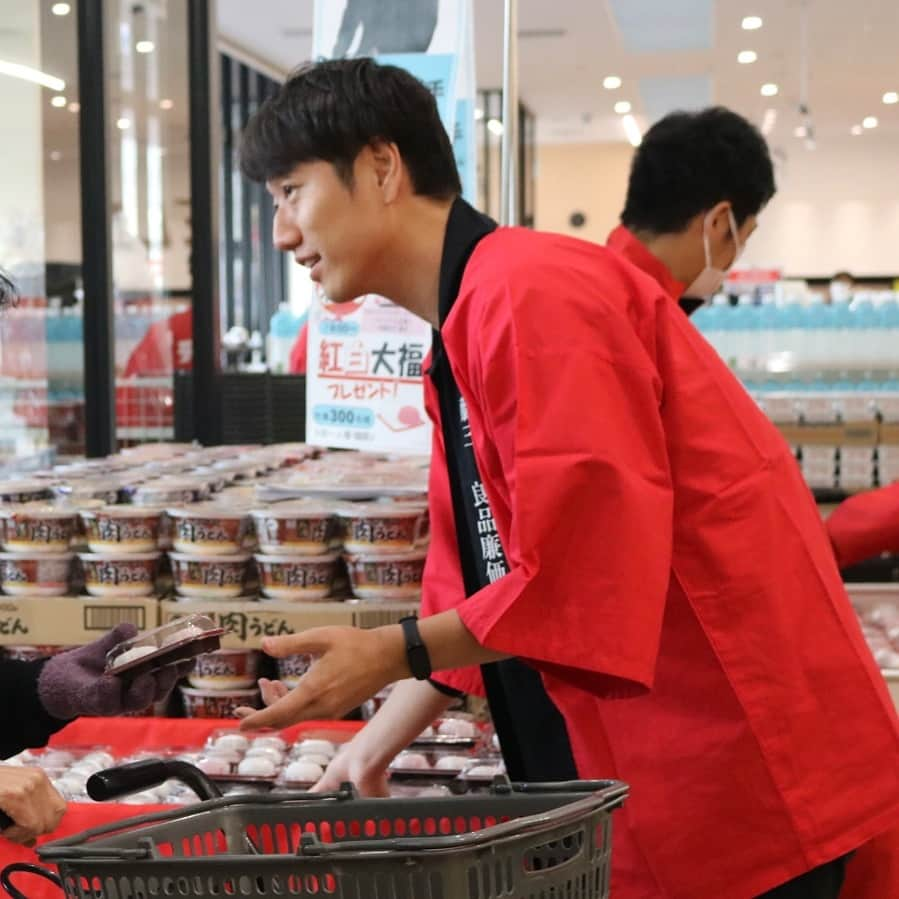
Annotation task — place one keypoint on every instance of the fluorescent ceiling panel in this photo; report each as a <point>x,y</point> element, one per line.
<point>659,26</point>
<point>663,95</point>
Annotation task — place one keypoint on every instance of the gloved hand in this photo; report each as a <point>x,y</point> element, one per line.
<point>73,683</point>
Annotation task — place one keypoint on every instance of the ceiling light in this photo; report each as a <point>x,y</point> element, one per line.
<point>58,101</point>
<point>856,130</point>
<point>769,90</point>
<point>145,46</point>
<point>890,97</point>
<point>800,131</point>
<point>632,130</point>
<point>769,121</point>
<point>478,114</point>
<point>55,155</point>
<point>622,107</point>
<point>74,107</point>
<point>751,23</point>
<point>611,82</point>
<point>747,56</point>
<point>123,124</point>
<point>168,104</point>
<point>14,70</point>
<point>869,121</point>
<point>495,126</point>
<point>60,9</point>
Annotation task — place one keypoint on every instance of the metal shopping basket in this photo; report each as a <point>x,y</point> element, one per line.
<point>528,841</point>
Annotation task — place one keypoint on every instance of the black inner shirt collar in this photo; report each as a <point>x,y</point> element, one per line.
<point>464,228</point>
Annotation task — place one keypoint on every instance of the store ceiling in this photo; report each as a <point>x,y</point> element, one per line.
<point>668,55</point>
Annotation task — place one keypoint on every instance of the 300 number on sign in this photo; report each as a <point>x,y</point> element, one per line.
<point>344,415</point>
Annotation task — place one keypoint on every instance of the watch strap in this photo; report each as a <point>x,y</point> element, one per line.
<point>416,652</point>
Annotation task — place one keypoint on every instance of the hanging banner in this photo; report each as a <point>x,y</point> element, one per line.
<point>364,374</point>
<point>435,43</point>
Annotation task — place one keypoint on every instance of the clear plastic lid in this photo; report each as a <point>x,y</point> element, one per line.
<point>210,511</point>
<point>398,509</point>
<point>179,640</point>
<point>126,511</point>
<point>296,509</point>
<point>36,510</point>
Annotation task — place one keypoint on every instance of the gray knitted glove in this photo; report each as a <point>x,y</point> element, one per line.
<point>73,683</point>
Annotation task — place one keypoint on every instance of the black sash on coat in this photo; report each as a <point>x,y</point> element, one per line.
<point>531,729</point>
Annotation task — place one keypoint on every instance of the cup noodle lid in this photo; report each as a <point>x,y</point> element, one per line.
<point>37,511</point>
<point>212,558</point>
<point>117,511</point>
<point>113,557</point>
<point>295,509</point>
<point>210,511</point>
<point>388,509</point>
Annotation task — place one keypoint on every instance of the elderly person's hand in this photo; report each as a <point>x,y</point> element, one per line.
<point>74,683</point>
<point>28,798</point>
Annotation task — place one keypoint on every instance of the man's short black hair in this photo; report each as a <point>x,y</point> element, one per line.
<point>688,162</point>
<point>332,110</point>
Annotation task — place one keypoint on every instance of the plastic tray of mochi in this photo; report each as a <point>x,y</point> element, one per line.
<point>178,641</point>
<point>308,759</point>
<point>433,765</point>
<point>232,757</point>
<point>451,731</point>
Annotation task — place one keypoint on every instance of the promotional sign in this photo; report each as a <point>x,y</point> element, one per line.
<point>365,358</point>
<point>364,377</point>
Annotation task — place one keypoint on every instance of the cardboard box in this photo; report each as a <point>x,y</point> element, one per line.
<point>860,433</point>
<point>70,620</point>
<point>812,434</point>
<point>247,623</point>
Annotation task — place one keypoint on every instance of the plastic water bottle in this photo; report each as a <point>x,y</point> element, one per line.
<point>282,333</point>
<point>885,352</point>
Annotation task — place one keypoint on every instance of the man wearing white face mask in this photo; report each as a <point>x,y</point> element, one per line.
<point>697,184</point>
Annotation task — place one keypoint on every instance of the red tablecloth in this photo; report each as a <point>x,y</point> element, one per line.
<point>125,736</point>
<point>873,872</point>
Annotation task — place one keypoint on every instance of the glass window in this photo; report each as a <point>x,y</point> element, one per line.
<point>41,356</point>
<point>149,159</point>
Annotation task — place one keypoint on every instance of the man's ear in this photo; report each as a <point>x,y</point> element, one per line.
<point>388,168</point>
<point>719,220</point>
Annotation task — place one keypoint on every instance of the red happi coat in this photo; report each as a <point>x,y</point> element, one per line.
<point>670,576</point>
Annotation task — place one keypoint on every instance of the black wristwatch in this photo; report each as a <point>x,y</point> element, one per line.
<point>416,651</point>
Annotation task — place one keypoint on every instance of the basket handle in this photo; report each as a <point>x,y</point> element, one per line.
<point>25,868</point>
<point>115,782</point>
<point>609,797</point>
<point>75,848</point>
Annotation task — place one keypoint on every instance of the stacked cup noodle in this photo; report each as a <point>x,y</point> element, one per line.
<point>298,550</point>
<point>211,557</point>
<point>37,538</point>
<point>385,547</point>
<point>298,556</point>
<point>122,557</point>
